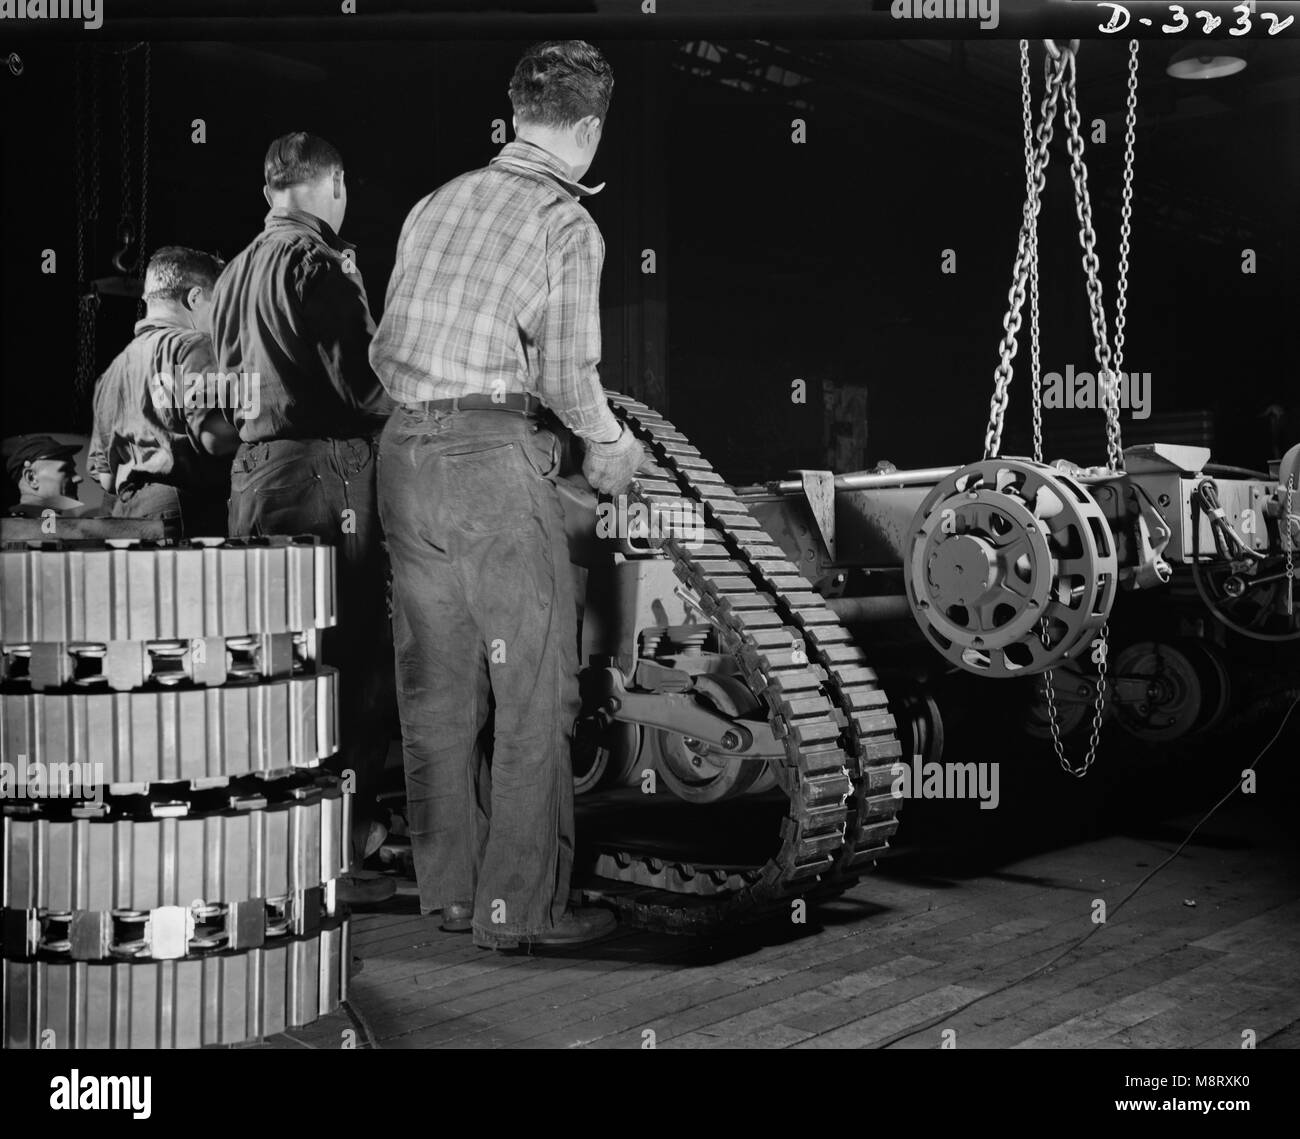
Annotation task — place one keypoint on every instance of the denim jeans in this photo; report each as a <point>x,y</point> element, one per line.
<point>326,487</point>
<point>486,638</point>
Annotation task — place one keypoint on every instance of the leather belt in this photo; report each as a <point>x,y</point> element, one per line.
<point>521,403</point>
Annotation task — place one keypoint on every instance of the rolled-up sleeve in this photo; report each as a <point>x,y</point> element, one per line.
<point>570,342</point>
<point>101,435</point>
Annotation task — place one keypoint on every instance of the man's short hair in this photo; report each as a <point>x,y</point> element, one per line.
<point>558,82</point>
<point>175,269</point>
<point>298,159</point>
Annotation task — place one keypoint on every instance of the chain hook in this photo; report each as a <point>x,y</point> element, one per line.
<point>1055,52</point>
<point>126,235</point>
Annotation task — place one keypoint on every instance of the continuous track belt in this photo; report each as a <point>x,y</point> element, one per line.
<point>823,700</point>
<point>222,999</point>
<point>148,593</point>
<point>161,736</point>
<point>264,851</point>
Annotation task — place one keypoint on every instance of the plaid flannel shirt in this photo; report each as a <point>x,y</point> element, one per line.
<point>496,289</point>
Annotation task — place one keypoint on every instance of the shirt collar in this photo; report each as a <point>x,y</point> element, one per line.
<point>522,155</point>
<point>152,323</point>
<point>287,216</point>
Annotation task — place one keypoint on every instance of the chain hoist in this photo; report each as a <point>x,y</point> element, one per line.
<point>1035,364</point>
<point>1062,77</point>
<point>1011,322</point>
<point>123,260</point>
<point>1126,208</point>
<point>1106,375</point>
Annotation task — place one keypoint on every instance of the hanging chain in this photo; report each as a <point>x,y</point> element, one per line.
<point>1126,209</point>
<point>1088,240</point>
<point>1098,708</point>
<point>1020,272</point>
<point>94,137</point>
<point>79,166</point>
<point>143,260</point>
<point>87,206</point>
<point>124,113</point>
<point>1035,359</point>
<point>144,163</point>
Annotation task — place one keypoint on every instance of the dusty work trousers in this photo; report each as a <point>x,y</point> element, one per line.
<point>486,639</point>
<point>326,487</point>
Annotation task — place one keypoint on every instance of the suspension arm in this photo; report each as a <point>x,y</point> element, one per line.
<point>681,712</point>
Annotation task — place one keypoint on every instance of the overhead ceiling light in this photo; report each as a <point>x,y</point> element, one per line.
<point>1205,62</point>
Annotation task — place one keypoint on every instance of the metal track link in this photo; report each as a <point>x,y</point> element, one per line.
<point>108,864</point>
<point>823,701</point>
<point>148,592</point>
<point>222,999</point>
<point>163,736</point>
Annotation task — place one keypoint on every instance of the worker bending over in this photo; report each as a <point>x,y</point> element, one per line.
<point>157,426</point>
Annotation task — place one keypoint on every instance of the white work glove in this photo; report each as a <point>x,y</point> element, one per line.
<point>609,467</point>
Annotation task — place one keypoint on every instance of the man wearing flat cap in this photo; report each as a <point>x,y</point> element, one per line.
<point>43,470</point>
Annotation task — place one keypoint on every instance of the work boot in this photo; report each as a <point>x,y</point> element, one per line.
<point>354,891</point>
<point>457,917</point>
<point>576,927</point>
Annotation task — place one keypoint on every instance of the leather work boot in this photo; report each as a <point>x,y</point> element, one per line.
<point>577,927</point>
<point>355,891</point>
<point>457,917</point>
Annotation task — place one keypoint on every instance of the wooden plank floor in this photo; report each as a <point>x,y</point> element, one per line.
<point>1209,949</point>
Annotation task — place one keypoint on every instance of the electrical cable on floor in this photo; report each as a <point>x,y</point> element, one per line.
<point>1078,943</point>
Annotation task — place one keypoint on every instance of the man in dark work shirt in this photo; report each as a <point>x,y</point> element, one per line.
<point>291,310</point>
<point>156,417</point>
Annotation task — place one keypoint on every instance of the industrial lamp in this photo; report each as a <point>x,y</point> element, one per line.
<point>1204,61</point>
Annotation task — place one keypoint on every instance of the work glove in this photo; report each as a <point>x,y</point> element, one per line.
<point>609,467</point>
<point>131,475</point>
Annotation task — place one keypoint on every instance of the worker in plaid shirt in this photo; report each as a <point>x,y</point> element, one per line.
<point>492,314</point>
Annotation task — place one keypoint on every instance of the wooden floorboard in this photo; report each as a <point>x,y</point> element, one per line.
<point>1209,949</point>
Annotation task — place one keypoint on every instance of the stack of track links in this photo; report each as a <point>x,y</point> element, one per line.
<point>171,843</point>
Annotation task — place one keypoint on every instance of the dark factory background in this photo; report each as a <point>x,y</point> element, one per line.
<point>775,261</point>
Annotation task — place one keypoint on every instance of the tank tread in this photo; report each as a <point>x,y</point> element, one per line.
<point>222,999</point>
<point>176,734</point>
<point>143,591</point>
<point>260,850</point>
<point>823,699</point>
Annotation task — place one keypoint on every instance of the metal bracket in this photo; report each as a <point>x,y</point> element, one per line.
<point>819,490</point>
<point>1153,534</point>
